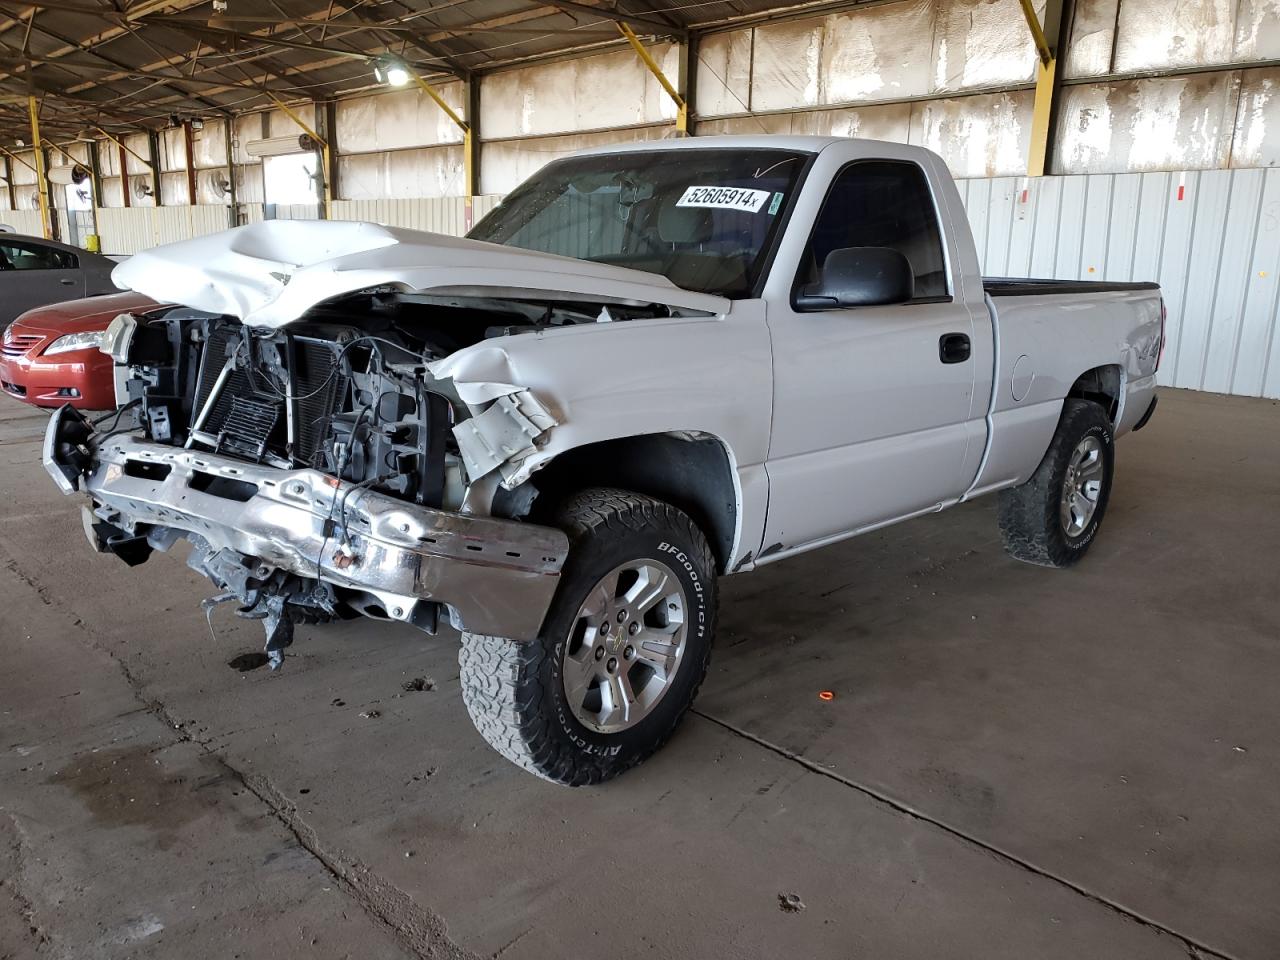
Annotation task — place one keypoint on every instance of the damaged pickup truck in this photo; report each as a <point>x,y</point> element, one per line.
<point>649,367</point>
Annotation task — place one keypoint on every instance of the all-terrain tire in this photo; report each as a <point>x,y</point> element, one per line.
<point>1029,514</point>
<point>515,691</point>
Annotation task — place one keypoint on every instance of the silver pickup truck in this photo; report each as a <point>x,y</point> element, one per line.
<point>651,366</point>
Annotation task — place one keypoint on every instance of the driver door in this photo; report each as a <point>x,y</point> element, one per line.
<point>33,275</point>
<point>872,417</point>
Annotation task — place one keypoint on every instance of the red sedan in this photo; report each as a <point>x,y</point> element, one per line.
<point>50,354</point>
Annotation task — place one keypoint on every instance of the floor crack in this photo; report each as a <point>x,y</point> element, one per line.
<point>417,930</point>
<point>1195,949</point>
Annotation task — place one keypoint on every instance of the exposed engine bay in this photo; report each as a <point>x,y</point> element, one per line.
<point>319,470</point>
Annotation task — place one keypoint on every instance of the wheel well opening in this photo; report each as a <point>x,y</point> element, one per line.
<point>692,473</point>
<point>1102,385</point>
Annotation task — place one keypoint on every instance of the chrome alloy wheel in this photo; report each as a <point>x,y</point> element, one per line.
<point>1082,486</point>
<point>626,645</point>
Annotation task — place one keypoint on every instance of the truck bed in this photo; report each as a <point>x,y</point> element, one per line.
<point>1016,287</point>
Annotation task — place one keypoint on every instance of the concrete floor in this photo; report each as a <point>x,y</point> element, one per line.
<point>1017,762</point>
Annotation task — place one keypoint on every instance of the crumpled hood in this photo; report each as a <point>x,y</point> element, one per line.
<point>269,274</point>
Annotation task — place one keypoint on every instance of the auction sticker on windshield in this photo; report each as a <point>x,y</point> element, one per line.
<point>724,198</point>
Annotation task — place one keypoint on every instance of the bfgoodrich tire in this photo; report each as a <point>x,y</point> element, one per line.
<point>1053,518</point>
<point>623,651</point>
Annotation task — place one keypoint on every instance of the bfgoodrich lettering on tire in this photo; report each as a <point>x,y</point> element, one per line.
<point>623,651</point>
<point>1053,517</point>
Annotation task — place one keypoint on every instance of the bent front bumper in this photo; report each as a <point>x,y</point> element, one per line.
<point>498,576</point>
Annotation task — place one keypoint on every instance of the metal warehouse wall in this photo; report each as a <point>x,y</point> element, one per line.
<point>128,231</point>
<point>1211,239</point>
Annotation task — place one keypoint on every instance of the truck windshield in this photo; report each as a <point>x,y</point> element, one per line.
<point>704,219</point>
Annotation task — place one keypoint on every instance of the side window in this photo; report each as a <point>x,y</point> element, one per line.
<point>881,203</point>
<point>31,256</point>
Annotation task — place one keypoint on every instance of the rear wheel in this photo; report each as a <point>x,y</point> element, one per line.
<point>623,651</point>
<point>1052,518</point>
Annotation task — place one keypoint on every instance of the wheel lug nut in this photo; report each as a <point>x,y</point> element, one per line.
<point>628,653</point>
<point>634,627</point>
<point>599,653</point>
<point>612,665</point>
<point>622,616</point>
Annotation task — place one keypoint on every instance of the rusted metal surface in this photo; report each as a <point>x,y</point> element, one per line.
<point>1156,124</point>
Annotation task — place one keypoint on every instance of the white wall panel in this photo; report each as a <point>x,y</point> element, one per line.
<point>504,165</point>
<point>402,118</point>
<point>585,93</point>
<point>428,172</point>
<point>128,230</point>
<point>1211,239</point>
<point>23,221</point>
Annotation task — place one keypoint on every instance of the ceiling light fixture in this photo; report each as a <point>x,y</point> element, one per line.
<point>390,70</point>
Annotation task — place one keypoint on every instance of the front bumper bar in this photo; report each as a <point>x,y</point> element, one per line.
<point>498,576</point>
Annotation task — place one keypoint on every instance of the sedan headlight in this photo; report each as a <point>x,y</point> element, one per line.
<point>75,341</point>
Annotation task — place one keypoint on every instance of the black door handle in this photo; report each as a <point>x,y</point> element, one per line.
<point>65,282</point>
<point>953,348</point>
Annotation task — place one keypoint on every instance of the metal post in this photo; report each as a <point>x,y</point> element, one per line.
<point>125,192</point>
<point>470,169</point>
<point>1044,110</point>
<point>8,179</point>
<point>682,106</point>
<point>326,193</point>
<point>687,81</point>
<point>42,179</point>
<point>95,170</point>
<point>233,211</point>
<point>471,143</point>
<point>328,113</point>
<point>189,147</point>
<point>153,147</point>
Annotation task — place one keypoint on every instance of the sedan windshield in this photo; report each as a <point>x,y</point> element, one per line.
<point>704,219</point>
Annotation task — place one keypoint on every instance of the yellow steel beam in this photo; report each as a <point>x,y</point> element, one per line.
<point>42,182</point>
<point>1046,69</point>
<point>1037,32</point>
<point>467,152</point>
<point>324,149</point>
<point>11,154</point>
<point>1041,113</point>
<point>682,107</point>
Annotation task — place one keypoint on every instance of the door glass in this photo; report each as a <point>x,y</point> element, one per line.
<point>881,203</point>
<point>30,256</point>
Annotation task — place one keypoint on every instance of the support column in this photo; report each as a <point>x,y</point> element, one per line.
<point>125,189</point>
<point>327,113</point>
<point>153,148</point>
<point>326,186</point>
<point>1044,112</point>
<point>682,106</point>
<point>8,179</point>
<point>233,211</point>
<point>189,149</point>
<point>687,81</point>
<point>42,169</point>
<point>471,141</point>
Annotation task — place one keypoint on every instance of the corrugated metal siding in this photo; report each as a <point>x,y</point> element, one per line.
<point>446,215</point>
<point>22,221</point>
<point>1210,238</point>
<point>128,230</point>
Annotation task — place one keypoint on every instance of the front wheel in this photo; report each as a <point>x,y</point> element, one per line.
<point>1053,517</point>
<point>622,653</point>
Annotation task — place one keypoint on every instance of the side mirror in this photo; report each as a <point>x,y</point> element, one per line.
<point>859,277</point>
